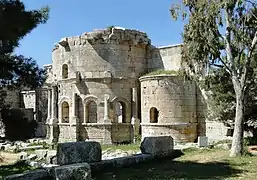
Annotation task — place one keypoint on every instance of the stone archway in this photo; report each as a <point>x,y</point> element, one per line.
<point>65,114</point>
<point>154,115</point>
<point>65,71</point>
<point>120,112</point>
<point>91,112</point>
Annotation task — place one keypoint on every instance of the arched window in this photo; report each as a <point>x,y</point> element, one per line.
<point>91,112</point>
<point>65,71</point>
<point>65,112</point>
<point>120,112</point>
<point>154,115</point>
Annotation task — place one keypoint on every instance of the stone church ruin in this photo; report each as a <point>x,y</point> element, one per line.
<point>100,87</point>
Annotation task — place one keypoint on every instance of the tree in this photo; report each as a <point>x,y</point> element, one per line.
<point>16,22</point>
<point>222,33</point>
<point>222,102</point>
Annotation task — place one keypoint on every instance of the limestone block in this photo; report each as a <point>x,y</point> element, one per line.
<point>51,157</point>
<point>162,145</point>
<point>202,141</point>
<point>41,153</point>
<point>78,152</point>
<point>74,171</point>
<point>31,175</point>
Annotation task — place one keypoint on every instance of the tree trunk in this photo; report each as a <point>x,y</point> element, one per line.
<point>237,141</point>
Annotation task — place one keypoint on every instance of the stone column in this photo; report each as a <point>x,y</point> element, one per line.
<point>135,101</point>
<point>74,105</point>
<point>49,105</point>
<point>53,126</point>
<point>106,108</point>
<point>107,122</point>
<point>37,96</point>
<point>74,121</point>
<point>53,105</point>
<point>135,121</point>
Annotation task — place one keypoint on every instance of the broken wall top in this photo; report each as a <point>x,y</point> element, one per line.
<point>115,35</point>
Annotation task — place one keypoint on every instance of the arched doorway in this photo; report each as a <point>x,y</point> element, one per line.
<point>120,112</point>
<point>91,112</point>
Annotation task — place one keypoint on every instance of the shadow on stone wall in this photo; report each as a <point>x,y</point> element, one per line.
<point>19,123</point>
<point>151,61</point>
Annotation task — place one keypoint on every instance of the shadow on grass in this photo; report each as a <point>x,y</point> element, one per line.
<point>168,168</point>
<point>16,168</point>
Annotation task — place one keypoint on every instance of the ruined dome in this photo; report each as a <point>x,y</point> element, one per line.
<point>110,35</point>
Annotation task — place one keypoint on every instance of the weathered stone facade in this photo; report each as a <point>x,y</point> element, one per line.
<point>93,79</point>
<point>168,107</point>
<point>97,90</point>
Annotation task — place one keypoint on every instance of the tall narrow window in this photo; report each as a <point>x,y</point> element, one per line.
<point>65,71</point>
<point>154,115</point>
<point>91,112</point>
<point>120,110</point>
<point>65,112</point>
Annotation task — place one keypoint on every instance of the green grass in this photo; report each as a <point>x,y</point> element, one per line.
<point>124,147</point>
<point>164,72</point>
<point>194,164</point>
<point>16,168</point>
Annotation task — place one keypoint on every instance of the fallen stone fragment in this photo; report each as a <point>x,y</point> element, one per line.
<point>78,152</point>
<point>162,145</point>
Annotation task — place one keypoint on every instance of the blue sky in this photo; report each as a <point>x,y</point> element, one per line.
<point>74,17</point>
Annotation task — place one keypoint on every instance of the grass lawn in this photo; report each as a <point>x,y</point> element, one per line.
<point>194,164</point>
<point>16,168</point>
<point>123,147</point>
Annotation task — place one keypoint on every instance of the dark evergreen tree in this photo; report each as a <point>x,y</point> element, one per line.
<point>16,70</point>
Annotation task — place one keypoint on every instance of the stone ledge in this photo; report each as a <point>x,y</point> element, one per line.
<point>31,175</point>
<point>73,171</point>
<point>65,124</point>
<point>168,124</point>
<point>130,160</point>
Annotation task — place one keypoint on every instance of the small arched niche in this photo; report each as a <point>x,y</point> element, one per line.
<point>65,112</point>
<point>65,71</point>
<point>120,112</point>
<point>154,114</point>
<point>91,112</point>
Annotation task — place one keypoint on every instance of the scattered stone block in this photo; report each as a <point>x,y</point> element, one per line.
<point>78,152</point>
<point>73,171</point>
<point>225,146</point>
<point>41,153</point>
<point>202,141</point>
<point>28,148</point>
<point>51,157</point>
<point>31,157</point>
<point>23,155</point>
<point>32,175</point>
<point>162,145</point>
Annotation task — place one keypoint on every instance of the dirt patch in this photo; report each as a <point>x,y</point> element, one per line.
<point>206,156</point>
<point>8,158</point>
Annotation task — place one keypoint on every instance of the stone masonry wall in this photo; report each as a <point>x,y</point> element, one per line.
<point>175,103</point>
<point>166,58</point>
<point>99,63</point>
<point>13,98</point>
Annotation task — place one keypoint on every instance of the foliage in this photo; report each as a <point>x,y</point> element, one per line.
<point>16,168</point>
<point>222,100</point>
<point>16,22</point>
<point>109,28</point>
<point>222,34</point>
<point>124,147</point>
<point>164,72</point>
